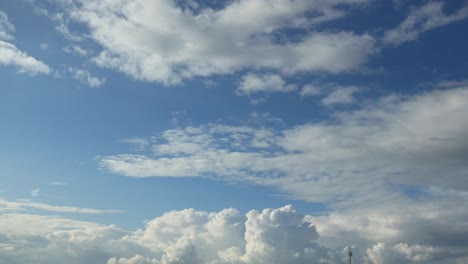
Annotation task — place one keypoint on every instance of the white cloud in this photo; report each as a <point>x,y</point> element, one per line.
<point>86,77</point>
<point>168,43</point>
<point>273,236</point>
<point>422,19</point>
<point>11,56</point>
<point>5,27</point>
<point>25,204</point>
<point>404,253</point>
<point>340,95</point>
<point>255,83</point>
<point>415,253</point>
<point>35,192</point>
<point>355,158</point>
<point>56,183</point>
<point>75,49</point>
<point>310,90</point>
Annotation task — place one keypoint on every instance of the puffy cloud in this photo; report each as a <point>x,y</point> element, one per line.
<point>270,235</point>
<point>253,83</point>
<point>273,236</point>
<point>167,42</point>
<point>188,236</point>
<point>86,77</point>
<point>422,19</point>
<point>11,56</point>
<point>384,169</point>
<point>402,253</point>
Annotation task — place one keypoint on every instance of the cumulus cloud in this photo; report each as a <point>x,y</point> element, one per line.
<point>11,56</point>
<point>273,236</point>
<point>168,42</point>
<point>402,253</point>
<point>429,16</point>
<point>86,77</point>
<point>254,83</point>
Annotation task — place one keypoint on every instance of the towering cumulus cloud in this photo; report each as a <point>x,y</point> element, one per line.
<point>273,236</point>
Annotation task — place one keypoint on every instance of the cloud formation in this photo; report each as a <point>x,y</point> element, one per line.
<point>359,155</point>
<point>273,236</point>
<point>22,205</point>
<point>340,95</point>
<point>187,236</point>
<point>167,41</point>
<point>422,19</point>
<point>11,56</point>
<point>84,76</point>
<point>253,83</point>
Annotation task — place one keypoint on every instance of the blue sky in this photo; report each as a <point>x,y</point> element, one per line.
<point>115,113</point>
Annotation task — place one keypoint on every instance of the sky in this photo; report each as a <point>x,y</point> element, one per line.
<point>233,131</point>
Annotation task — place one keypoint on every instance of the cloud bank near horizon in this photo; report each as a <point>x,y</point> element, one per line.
<point>273,236</point>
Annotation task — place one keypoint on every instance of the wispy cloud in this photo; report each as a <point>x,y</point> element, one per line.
<point>25,205</point>
<point>429,16</point>
<point>136,143</point>
<point>56,183</point>
<point>35,192</point>
<point>11,56</point>
<point>341,95</point>
<point>356,155</point>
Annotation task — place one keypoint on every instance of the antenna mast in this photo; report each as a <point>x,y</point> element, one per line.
<point>350,255</point>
